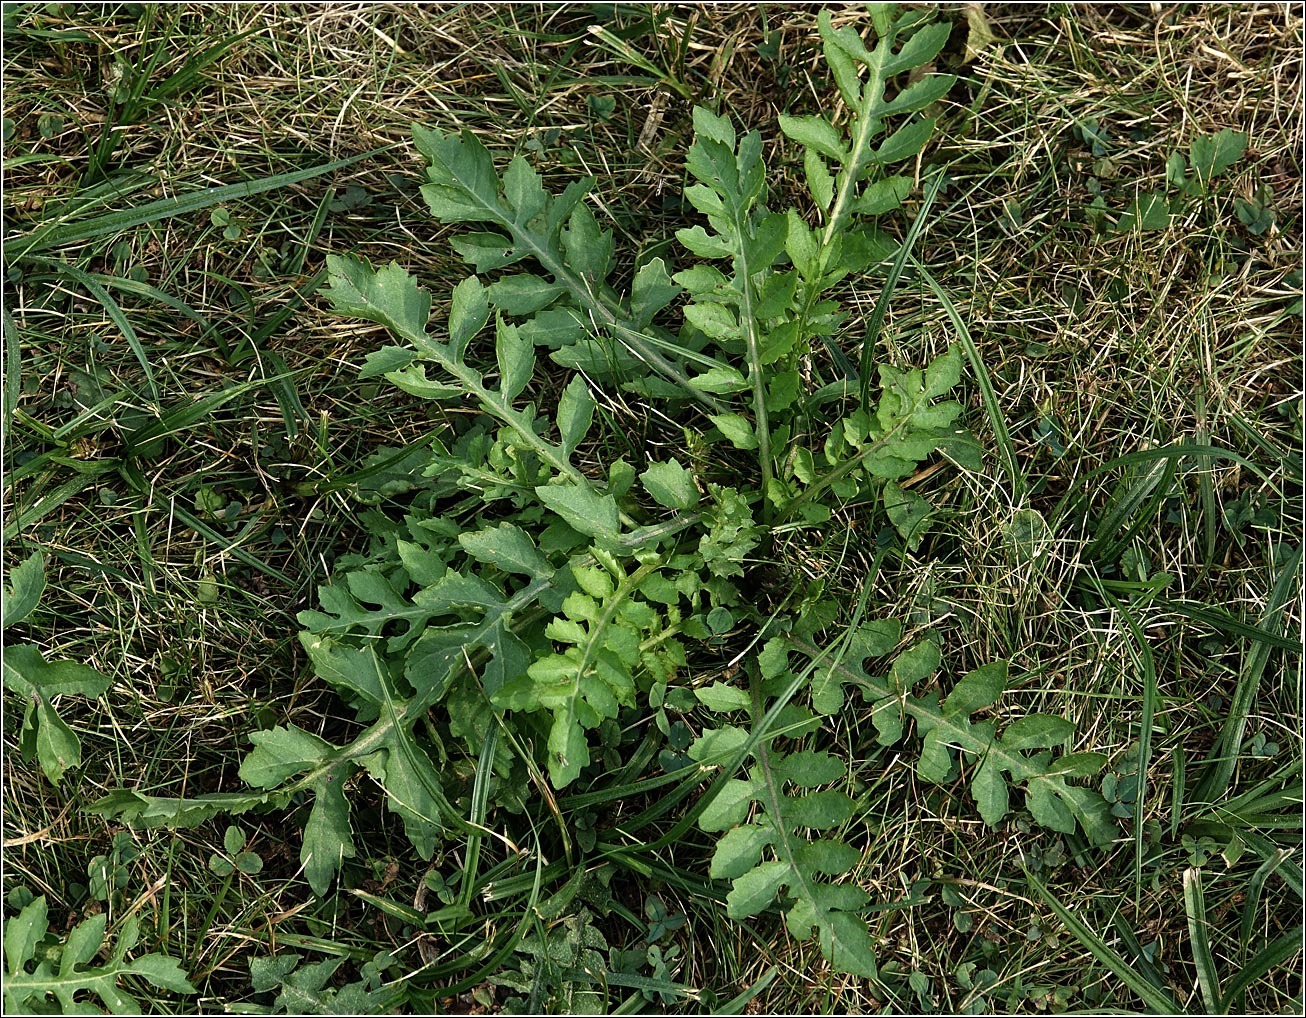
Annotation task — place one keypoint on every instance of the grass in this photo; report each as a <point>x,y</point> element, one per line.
<point>188,417</point>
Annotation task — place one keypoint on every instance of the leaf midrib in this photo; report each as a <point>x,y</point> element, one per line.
<point>957,727</point>
<point>543,253</point>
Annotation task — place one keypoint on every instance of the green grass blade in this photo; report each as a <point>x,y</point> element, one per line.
<point>188,73</point>
<point>1280,790</point>
<point>231,545</point>
<point>618,47</point>
<point>13,372</point>
<point>296,266</point>
<point>1158,1001</point>
<point>1208,980</point>
<point>1254,888</point>
<point>1073,504</point>
<point>75,232</point>
<point>1275,954</point>
<point>737,1003</point>
<point>1142,657</point>
<point>89,421</point>
<point>137,289</point>
<point>1221,620</point>
<point>881,309</point>
<point>115,190</point>
<point>48,503</point>
<point>1134,499</point>
<point>181,417</point>
<point>34,158</point>
<point>1135,949</point>
<point>299,296</point>
<point>1178,781</point>
<point>636,982</point>
<point>1205,491</point>
<point>119,319</point>
<point>1289,870</point>
<point>293,412</point>
<point>1007,451</point>
<point>1223,759</point>
<point>476,816</point>
<point>1289,461</point>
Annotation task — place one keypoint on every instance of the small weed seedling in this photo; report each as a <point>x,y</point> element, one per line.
<point>46,737</point>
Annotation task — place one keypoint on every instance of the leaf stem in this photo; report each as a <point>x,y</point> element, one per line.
<point>756,370</point>
<point>842,470</point>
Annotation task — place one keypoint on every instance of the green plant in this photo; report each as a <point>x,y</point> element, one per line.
<point>45,736</point>
<point>315,988</point>
<point>562,967</point>
<point>38,967</point>
<point>1209,157</point>
<point>540,597</point>
<point>108,875</point>
<point>236,857</point>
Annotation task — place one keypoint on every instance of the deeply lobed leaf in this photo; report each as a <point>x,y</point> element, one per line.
<point>999,761</point>
<point>797,861</point>
<point>30,983</point>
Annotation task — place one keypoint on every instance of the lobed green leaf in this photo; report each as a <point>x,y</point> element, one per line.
<point>585,510</point>
<point>30,991</point>
<point>388,296</point>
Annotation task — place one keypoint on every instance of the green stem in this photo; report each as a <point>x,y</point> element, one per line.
<point>497,405</point>
<point>842,470</point>
<point>634,340</point>
<point>868,125</point>
<point>756,370</point>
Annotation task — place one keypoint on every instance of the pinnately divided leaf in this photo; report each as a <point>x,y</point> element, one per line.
<point>464,187</point>
<point>844,50</point>
<point>584,509</point>
<point>772,855</point>
<point>998,761</point>
<point>281,753</point>
<point>388,296</point>
<point>33,983</point>
<point>601,629</point>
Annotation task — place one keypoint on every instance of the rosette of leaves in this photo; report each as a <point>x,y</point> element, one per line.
<point>534,591</point>
<point>470,617</point>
